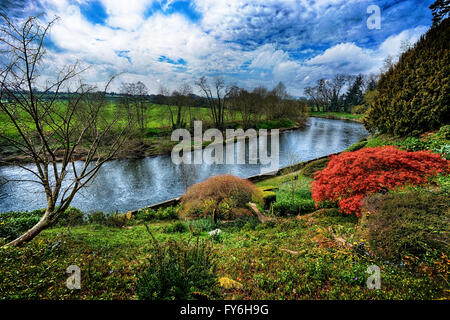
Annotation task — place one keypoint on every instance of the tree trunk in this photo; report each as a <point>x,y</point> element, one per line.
<point>33,232</point>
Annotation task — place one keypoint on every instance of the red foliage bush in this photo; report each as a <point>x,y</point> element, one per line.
<point>350,176</point>
<point>226,196</point>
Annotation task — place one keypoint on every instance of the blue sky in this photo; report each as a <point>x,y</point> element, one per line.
<point>247,42</point>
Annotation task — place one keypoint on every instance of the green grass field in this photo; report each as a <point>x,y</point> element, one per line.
<point>337,115</point>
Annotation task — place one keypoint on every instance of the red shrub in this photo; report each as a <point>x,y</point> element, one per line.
<point>352,175</point>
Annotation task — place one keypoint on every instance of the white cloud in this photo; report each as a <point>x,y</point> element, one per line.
<point>218,44</point>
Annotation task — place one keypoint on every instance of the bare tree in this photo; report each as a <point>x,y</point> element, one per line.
<point>134,99</point>
<point>216,98</point>
<point>47,129</point>
<point>179,101</point>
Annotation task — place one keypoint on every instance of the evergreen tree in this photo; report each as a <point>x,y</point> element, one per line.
<point>440,10</point>
<point>414,95</point>
<point>354,95</point>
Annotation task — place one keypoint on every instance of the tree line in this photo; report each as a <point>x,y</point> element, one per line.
<point>341,93</point>
<point>226,103</point>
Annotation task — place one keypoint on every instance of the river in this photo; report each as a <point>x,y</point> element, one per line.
<point>129,184</point>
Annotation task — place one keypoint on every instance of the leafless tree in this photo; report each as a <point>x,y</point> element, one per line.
<point>134,99</point>
<point>47,129</point>
<point>216,98</point>
<point>327,94</point>
<point>179,103</point>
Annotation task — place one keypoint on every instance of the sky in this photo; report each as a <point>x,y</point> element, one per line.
<point>246,42</point>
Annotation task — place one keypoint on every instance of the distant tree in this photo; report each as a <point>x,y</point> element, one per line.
<point>440,10</point>
<point>179,102</point>
<point>371,82</point>
<point>216,98</point>
<point>354,95</point>
<point>135,100</point>
<point>50,130</point>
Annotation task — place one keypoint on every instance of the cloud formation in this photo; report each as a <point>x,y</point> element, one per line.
<point>247,42</point>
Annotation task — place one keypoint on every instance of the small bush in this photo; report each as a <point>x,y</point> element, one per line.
<point>97,217</point>
<point>413,224</point>
<point>350,176</point>
<point>117,220</point>
<point>14,224</point>
<point>72,217</point>
<point>268,198</point>
<point>222,197</point>
<point>169,213</point>
<point>197,226</point>
<point>179,270</point>
<point>287,206</point>
<point>311,168</point>
<point>177,227</point>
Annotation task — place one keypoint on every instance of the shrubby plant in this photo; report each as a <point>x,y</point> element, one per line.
<point>311,168</point>
<point>117,220</point>
<point>220,197</point>
<point>350,176</point>
<point>179,270</point>
<point>414,225</point>
<point>168,213</point>
<point>13,224</point>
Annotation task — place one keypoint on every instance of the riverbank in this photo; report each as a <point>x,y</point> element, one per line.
<point>152,145</point>
<point>338,116</point>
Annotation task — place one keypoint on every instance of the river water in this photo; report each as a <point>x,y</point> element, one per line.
<point>130,184</point>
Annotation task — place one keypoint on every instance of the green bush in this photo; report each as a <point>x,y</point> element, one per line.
<point>71,217</point>
<point>177,227</point>
<point>14,224</point>
<point>179,270</point>
<point>311,168</point>
<point>413,224</point>
<point>117,220</point>
<point>97,217</point>
<point>413,96</point>
<point>287,206</point>
<point>197,226</point>
<point>168,213</point>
